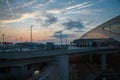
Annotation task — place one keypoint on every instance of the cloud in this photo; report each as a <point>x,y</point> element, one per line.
<point>46,19</point>
<point>68,3</point>
<point>42,3</point>
<point>59,34</point>
<point>54,11</point>
<point>20,9</point>
<point>78,5</point>
<point>24,4</point>
<point>78,31</point>
<point>3,25</point>
<point>21,18</point>
<point>24,9</point>
<point>51,0</point>
<point>84,11</point>
<point>46,1</point>
<point>81,8</point>
<point>78,8</point>
<point>15,11</point>
<point>10,9</point>
<point>73,24</point>
<point>51,20</point>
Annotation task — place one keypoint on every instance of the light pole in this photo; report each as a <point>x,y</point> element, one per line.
<point>3,43</point>
<point>61,37</point>
<point>31,33</point>
<point>66,42</point>
<point>20,39</point>
<point>16,40</point>
<point>3,36</point>
<point>21,45</point>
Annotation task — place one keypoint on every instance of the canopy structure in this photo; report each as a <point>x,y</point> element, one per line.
<point>109,29</point>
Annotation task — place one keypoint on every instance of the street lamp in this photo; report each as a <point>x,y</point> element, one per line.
<point>31,33</point>
<point>20,39</point>
<point>3,43</point>
<point>66,42</point>
<point>3,36</point>
<point>16,40</point>
<point>61,37</point>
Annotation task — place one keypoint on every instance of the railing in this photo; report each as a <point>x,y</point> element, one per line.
<point>50,53</point>
<point>16,48</point>
<point>27,49</point>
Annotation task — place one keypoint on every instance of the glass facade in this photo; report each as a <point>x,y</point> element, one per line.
<point>115,28</point>
<point>109,29</point>
<point>95,35</point>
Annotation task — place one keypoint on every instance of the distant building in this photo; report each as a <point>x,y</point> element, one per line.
<point>50,45</point>
<point>106,34</point>
<point>91,42</point>
<point>6,43</point>
<point>28,44</point>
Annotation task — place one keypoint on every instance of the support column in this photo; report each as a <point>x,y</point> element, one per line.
<point>63,61</point>
<point>90,58</point>
<point>23,70</point>
<point>18,71</point>
<point>103,64</point>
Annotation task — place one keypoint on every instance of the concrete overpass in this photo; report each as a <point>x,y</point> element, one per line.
<point>36,54</point>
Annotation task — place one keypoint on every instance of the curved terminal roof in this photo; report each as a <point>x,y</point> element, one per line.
<point>109,29</point>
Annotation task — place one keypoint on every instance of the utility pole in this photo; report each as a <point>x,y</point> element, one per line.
<point>66,41</point>
<point>3,36</point>
<point>21,45</point>
<point>16,40</point>
<point>61,37</point>
<point>20,39</point>
<point>3,42</point>
<point>31,33</point>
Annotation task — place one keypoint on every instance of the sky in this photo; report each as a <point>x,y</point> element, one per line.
<point>52,18</point>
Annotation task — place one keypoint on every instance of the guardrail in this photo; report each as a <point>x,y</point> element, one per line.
<point>48,53</point>
<point>14,48</point>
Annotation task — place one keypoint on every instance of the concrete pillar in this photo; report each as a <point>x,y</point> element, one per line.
<point>90,58</point>
<point>90,43</point>
<point>15,71</point>
<point>18,71</point>
<point>63,62</point>
<point>23,70</point>
<point>103,64</point>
